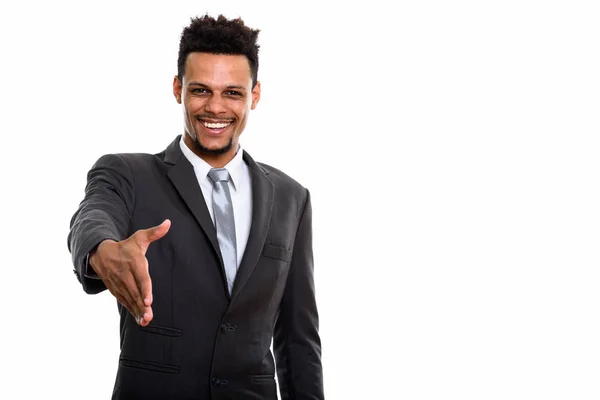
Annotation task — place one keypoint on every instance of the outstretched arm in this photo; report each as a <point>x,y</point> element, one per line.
<point>104,213</point>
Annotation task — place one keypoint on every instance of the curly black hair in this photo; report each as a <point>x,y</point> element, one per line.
<point>219,36</point>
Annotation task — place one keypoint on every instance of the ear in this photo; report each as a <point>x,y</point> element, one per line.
<point>255,96</point>
<point>177,88</point>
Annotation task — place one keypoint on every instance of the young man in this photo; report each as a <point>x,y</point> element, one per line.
<point>208,253</point>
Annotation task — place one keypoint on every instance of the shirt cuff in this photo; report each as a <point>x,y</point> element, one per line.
<point>88,271</point>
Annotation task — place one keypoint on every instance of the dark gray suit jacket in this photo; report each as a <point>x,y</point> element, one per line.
<point>204,343</point>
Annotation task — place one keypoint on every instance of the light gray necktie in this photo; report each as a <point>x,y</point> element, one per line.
<point>224,222</point>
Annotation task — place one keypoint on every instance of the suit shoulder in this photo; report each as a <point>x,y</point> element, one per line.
<point>132,160</point>
<point>280,178</point>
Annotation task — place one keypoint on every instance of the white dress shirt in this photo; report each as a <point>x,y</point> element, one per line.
<point>240,187</point>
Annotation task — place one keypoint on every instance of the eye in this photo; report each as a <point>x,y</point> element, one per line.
<point>199,91</point>
<point>233,93</point>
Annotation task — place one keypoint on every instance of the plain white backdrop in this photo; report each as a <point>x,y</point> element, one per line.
<point>452,153</point>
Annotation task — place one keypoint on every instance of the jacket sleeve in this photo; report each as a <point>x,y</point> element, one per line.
<point>296,341</point>
<point>104,213</point>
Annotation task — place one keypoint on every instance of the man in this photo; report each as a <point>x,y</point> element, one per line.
<point>208,253</point>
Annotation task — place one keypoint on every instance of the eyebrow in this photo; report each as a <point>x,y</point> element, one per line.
<point>194,83</point>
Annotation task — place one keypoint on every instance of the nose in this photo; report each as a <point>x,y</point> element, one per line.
<point>215,105</point>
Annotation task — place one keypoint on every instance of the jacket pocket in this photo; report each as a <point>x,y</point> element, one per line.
<point>277,252</point>
<point>149,347</point>
<point>148,365</point>
<point>161,330</point>
<point>262,379</point>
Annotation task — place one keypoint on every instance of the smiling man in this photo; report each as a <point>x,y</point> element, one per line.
<point>208,253</point>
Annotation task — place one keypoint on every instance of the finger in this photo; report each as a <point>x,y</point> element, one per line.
<point>144,283</point>
<point>146,318</point>
<point>127,288</point>
<point>143,294</point>
<point>126,302</point>
<point>115,287</point>
<point>156,232</point>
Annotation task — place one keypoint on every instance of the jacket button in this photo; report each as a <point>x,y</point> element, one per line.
<point>216,381</point>
<point>227,327</point>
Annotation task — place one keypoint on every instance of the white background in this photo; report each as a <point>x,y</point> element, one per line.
<point>451,149</point>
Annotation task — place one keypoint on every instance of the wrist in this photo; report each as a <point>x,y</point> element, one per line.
<point>94,254</point>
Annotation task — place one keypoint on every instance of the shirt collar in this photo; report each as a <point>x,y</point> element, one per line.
<point>202,168</point>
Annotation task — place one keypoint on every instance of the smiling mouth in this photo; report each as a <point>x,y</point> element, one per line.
<point>215,125</point>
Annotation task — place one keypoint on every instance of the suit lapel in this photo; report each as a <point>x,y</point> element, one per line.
<point>262,204</point>
<point>184,179</point>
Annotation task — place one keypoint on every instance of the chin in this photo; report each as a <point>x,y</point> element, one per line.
<point>220,147</point>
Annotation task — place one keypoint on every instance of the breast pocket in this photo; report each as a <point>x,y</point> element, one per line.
<point>277,252</point>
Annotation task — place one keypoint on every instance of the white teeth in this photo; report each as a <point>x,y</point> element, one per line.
<point>215,125</point>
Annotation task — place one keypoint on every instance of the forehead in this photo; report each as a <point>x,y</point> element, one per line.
<point>217,69</point>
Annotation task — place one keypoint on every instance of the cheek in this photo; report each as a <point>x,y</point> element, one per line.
<point>241,118</point>
<point>192,106</point>
<point>240,110</point>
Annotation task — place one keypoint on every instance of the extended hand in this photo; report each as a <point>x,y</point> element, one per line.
<point>123,267</point>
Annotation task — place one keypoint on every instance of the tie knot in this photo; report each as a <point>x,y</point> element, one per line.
<point>218,175</point>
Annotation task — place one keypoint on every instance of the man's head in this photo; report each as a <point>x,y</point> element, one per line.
<point>217,84</point>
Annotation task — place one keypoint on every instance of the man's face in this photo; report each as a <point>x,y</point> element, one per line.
<point>216,94</point>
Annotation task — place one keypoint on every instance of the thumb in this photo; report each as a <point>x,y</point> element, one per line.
<point>156,232</point>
